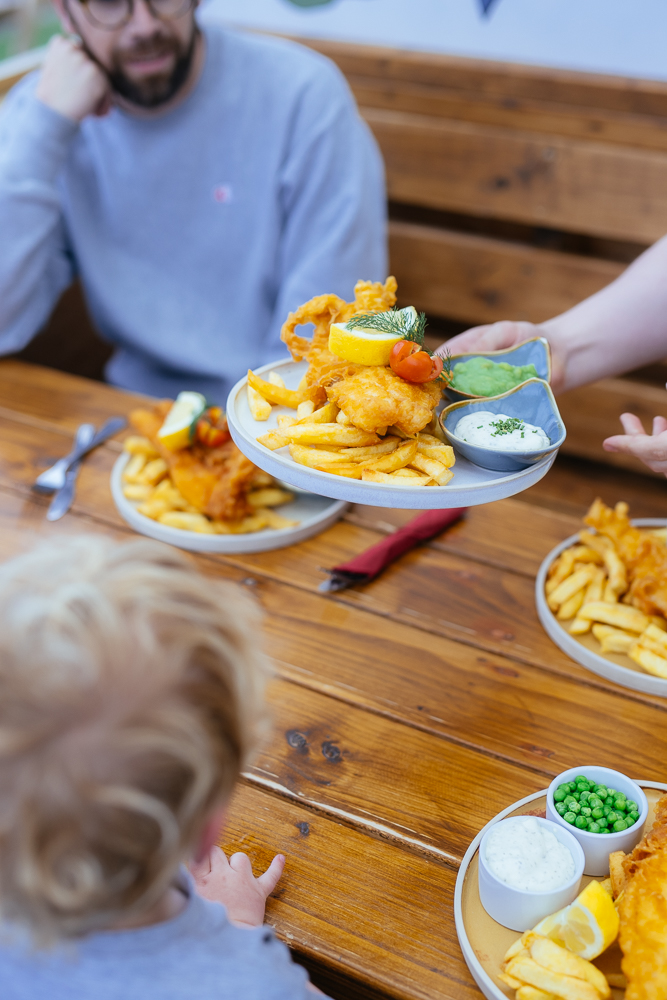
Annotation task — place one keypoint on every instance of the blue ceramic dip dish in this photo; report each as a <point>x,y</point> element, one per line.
<point>532,401</point>
<point>532,352</point>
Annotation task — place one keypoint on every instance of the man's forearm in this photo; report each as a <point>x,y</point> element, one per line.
<point>622,327</point>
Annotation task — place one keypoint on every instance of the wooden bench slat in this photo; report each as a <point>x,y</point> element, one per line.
<point>492,79</point>
<point>641,131</point>
<point>482,170</point>
<point>478,279</point>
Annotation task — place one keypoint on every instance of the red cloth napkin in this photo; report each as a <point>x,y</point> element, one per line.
<point>370,563</point>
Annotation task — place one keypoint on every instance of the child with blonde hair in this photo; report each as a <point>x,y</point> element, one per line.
<point>131,696</point>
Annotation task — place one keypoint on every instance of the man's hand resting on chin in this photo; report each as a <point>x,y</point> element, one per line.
<point>71,83</point>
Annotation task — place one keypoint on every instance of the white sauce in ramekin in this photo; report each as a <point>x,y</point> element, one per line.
<point>527,856</point>
<point>500,432</point>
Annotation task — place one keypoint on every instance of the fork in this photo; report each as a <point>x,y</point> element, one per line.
<point>54,478</point>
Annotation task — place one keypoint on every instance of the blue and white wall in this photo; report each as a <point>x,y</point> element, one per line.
<point>627,37</point>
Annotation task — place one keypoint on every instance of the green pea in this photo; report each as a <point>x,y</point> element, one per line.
<point>613,817</point>
<point>569,798</point>
<point>632,806</point>
<point>559,794</point>
<point>575,807</point>
<point>581,823</point>
<point>586,811</point>
<point>594,802</point>
<point>580,777</point>
<point>584,797</point>
<point>604,829</point>
<point>601,792</point>
<point>593,827</point>
<point>620,825</point>
<point>561,808</point>
<point>606,809</point>
<point>570,817</point>
<point>597,813</point>
<point>632,818</point>
<point>619,804</point>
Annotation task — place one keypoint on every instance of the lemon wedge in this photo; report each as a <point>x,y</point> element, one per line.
<point>369,347</point>
<point>586,927</point>
<point>175,431</point>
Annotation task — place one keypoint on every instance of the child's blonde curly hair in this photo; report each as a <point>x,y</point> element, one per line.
<point>130,699</point>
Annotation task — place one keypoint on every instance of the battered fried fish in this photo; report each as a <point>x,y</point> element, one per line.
<point>214,480</point>
<point>643,912</point>
<point>645,557</point>
<point>371,396</point>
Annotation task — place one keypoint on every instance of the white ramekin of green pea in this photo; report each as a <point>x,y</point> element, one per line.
<point>604,809</point>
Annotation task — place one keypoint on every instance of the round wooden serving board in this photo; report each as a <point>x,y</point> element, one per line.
<point>485,942</point>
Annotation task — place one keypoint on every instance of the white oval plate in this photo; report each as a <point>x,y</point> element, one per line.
<point>611,666</point>
<point>314,514</point>
<point>483,941</point>
<point>471,484</point>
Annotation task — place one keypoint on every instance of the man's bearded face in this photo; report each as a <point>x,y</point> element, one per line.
<point>131,75</point>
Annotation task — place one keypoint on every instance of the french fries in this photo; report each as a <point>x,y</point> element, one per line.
<point>538,968</point>
<point>146,479</point>
<point>588,585</point>
<point>260,408</point>
<point>373,457</point>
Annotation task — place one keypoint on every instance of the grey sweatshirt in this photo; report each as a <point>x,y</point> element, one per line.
<point>194,232</point>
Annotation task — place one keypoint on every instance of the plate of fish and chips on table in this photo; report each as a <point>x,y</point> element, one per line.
<point>563,895</point>
<point>182,480</point>
<point>602,597</point>
<point>357,412</point>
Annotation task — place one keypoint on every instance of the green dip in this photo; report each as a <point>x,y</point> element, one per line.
<point>482,377</point>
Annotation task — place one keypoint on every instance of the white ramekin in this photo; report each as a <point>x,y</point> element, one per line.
<point>515,908</point>
<point>598,846</point>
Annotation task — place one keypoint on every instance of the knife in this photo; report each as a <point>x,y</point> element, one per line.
<point>62,500</point>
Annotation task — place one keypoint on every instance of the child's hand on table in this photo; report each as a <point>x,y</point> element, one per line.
<point>651,449</point>
<point>233,884</point>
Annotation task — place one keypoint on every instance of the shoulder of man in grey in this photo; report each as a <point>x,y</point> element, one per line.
<point>194,233</point>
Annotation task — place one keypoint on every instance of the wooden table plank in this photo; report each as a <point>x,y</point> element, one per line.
<point>355,903</point>
<point>44,396</point>
<point>508,710</point>
<point>395,781</point>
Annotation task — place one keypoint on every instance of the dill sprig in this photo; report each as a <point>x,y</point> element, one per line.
<point>405,323</point>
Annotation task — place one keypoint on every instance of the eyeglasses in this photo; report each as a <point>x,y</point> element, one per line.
<point>112,14</point>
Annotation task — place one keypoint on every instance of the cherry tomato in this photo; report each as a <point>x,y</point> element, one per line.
<point>207,433</point>
<point>412,364</point>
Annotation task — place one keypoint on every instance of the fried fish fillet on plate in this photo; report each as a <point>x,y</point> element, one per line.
<point>645,557</point>
<point>642,908</point>
<point>371,396</point>
<point>214,480</point>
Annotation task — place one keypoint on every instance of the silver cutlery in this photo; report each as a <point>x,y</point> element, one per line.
<point>54,478</point>
<point>62,501</point>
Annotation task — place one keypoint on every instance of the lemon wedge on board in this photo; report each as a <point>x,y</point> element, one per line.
<point>175,431</point>
<point>586,927</point>
<point>370,347</point>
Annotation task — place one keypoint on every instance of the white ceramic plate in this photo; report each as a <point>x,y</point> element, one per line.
<point>483,941</point>
<point>471,484</point>
<point>617,668</point>
<point>314,514</point>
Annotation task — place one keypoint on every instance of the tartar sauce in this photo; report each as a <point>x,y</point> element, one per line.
<point>526,856</point>
<point>500,432</point>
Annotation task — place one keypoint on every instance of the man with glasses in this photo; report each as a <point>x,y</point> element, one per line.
<point>200,182</point>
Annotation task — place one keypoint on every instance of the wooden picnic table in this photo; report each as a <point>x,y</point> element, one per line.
<point>405,714</point>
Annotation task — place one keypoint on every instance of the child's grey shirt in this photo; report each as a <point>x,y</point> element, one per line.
<point>198,955</point>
